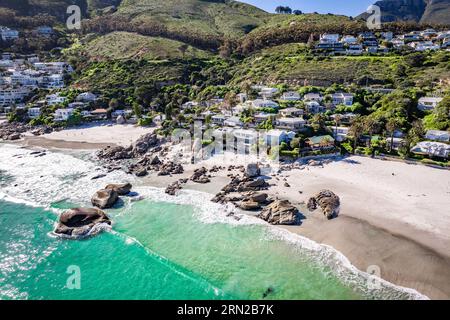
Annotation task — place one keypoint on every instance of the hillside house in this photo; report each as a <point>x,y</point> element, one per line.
<point>438,135</point>
<point>428,103</point>
<point>292,124</point>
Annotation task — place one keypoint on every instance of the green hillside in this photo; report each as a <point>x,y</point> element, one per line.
<point>126,45</point>
<point>215,17</point>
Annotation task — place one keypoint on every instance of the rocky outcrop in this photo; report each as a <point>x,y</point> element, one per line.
<point>81,222</point>
<point>14,130</point>
<point>328,201</point>
<point>280,212</point>
<point>144,143</point>
<point>201,176</point>
<point>104,199</point>
<point>121,189</point>
<point>173,188</point>
<point>114,153</point>
<point>254,201</point>
<point>239,184</point>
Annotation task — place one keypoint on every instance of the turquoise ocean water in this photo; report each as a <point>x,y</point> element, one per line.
<point>159,248</point>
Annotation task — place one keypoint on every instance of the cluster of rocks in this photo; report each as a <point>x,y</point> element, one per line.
<point>139,148</point>
<point>328,201</point>
<point>201,176</point>
<point>14,130</point>
<point>244,191</point>
<point>173,188</point>
<point>82,222</point>
<point>280,212</point>
<point>152,163</point>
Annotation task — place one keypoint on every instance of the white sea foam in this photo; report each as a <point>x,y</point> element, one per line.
<point>58,176</point>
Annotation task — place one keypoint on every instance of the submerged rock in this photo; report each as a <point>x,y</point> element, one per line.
<point>328,201</point>
<point>81,222</point>
<point>280,212</point>
<point>104,199</point>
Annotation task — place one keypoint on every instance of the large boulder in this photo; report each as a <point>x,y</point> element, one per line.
<point>252,170</point>
<point>328,201</point>
<point>280,212</point>
<point>114,153</point>
<point>121,189</point>
<point>105,199</point>
<point>81,222</point>
<point>144,143</point>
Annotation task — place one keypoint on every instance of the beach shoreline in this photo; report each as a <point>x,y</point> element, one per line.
<point>390,217</point>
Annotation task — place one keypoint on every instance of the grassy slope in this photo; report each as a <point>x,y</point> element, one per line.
<point>125,45</point>
<point>232,18</point>
<point>291,62</point>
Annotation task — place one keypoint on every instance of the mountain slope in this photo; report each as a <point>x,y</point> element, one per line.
<point>424,11</point>
<point>214,17</point>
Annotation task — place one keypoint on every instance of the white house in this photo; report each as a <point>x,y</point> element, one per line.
<point>314,107</point>
<point>293,124</point>
<point>354,49</point>
<point>290,96</point>
<point>53,99</point>
<point>34,112</point>
<point>263,117</point>
<point>424,45</point>
<point>313,97</point>
<point>340,133</point>
<point>428,103</point>
<point>438,135</point>
<point>8,34</point>
<point>245,139</point>
<point>218,119</point>
<point>53,81</point>
<point>233,122</point>
<point>86,97</point>
<point>329,38</point>
<point>268,92</point>
<point>276,136</point>
<point>436,149</point>
<point>291,112</point>
<point>63,114</point>
<point>262,103</point>
<point>77,105</point>
<point>342,98</point>
<point>349,39</point>
<point>242,97</point>
<point>10,96</point>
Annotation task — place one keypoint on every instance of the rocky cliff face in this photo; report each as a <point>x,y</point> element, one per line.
<point>425,11</point>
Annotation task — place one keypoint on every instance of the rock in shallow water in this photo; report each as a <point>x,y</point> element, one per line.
<point>81,222</point>
<point>121,189</point>
<point>104,199</point>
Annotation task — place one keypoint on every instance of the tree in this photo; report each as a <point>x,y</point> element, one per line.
<point>371,125</point>
<point>283,10</point>
<point>230,101</point>
<point>391,126</point>
<point>297,12</point>
<point>137,109</point>
<point>337,121</point>
<point>439,119</point>
<point>318,122</point>
<point>113,104</point>
<point>356,130</point>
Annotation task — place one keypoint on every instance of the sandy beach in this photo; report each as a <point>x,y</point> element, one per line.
<point>393,215</point>
<point>90,136</point>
